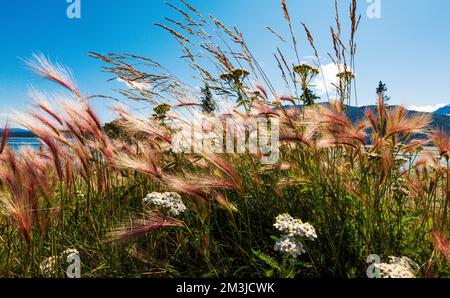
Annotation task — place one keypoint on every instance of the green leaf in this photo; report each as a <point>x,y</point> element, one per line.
<point>267,259</point>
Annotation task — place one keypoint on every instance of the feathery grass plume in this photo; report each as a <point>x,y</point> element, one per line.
<point>145,163</point>
<point>35,168</point>
<point>25,176</point>
<point>135,124</point>
<point>337,18</point>
<point>395,123</point>
<point>181,25</point>
<point>285,68</point>
<point>202,189</point>
<point>441,246</point>
<point>140,227</point>
<point>287,17</point>
<point>414,146</point>
<point>219,55</point>
<point>287,98</point>
<point>54,72</point>
<point>46,122</point>
<point>224,202</point>
<point>310,39</point>
<point>285,10</point>
<point>316,54</point>
<point>225,167</point>
<point>276,34</point>
<point>263,91</point>
<point>225,28</point>
<point>186,16</point>
<point>291,137</point>
<point>442,142</point>
<point>19,213</point>
<point>399,122</point>
<point>44,105</point>
<point>208,182</point>
<point>283,73</point>
<point>337,129</point>
<point>47,136</point>
<point>187,104</point>
<point>283,166</point>
<point>335,40</point>
<point>262,109</point>
<point>5,136</point>
<point>173,32</point>
<point>192,8</point>
<point>72,134</point>
<point>355,20</point>
<point>183,185</point>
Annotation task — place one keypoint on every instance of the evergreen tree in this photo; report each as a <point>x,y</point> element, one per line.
<point>308,97</point>
<point>161,112</point>
<point>208,103</point>
<point>381,91</point>
<point>306,74</point>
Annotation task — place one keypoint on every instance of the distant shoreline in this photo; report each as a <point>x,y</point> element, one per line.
<point>19,133</point>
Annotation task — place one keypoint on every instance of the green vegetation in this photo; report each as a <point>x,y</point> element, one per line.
<point>132,207</point>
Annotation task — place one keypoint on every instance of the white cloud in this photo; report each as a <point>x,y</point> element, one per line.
<point>142,86</point>
<point>428,109</point>
<point>327,80</point>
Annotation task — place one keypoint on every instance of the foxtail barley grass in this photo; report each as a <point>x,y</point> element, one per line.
<point>363,188</point>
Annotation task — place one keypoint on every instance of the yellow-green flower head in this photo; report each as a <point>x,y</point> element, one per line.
<point>346,75</point>
<point>305,69</point>
<point>236,75</point>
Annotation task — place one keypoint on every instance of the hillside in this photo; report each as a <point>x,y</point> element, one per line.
<point>18,133</point>
<point>439,121</point>
<point>443,111</point>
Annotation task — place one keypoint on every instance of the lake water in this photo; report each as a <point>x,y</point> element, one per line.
<point>17,143</point>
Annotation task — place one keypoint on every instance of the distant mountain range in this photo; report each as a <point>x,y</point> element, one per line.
<point>18,133</point>
<point>443,111</point>
<point>440,119</point>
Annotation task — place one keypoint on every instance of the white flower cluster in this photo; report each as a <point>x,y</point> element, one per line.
<point>49,265</point>
<point>290,246</point>
<point>397,267</point>
<point>294,230</point>
<point>294,227</point>
<point>70,251</point>
<point>171,201</point>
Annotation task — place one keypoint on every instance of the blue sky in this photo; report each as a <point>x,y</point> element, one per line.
<point>407,47</point>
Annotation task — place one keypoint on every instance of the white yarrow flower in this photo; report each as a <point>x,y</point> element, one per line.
<point>48,266</point>
<point>290,246</point>
<point>294,230</point>
<point>308,231</point>
<point>70,251</point>
<point>169,201</point>
<point>397,267</point>
<point>294,227</point>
